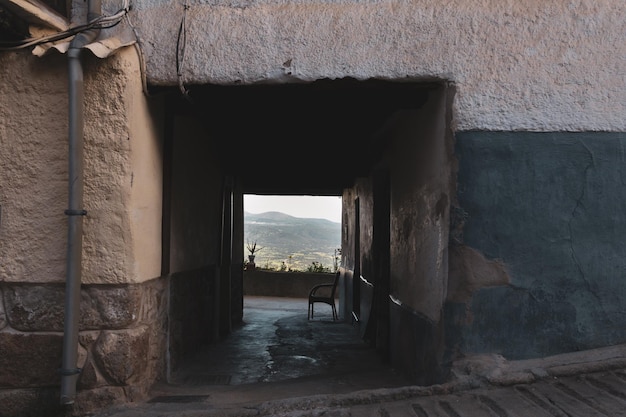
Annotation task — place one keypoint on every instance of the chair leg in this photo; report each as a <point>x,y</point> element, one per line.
<point>311,311</point>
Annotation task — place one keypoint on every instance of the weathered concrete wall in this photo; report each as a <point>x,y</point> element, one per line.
<point>543,236</point>
<point>196,196</point>
<point>283,284</point>
<point>194,222</point>
<point>356,293</point>
<point>192,314</point>
<point>530,65</point>
<point>122,171</point>
<point>348,255</point>
<point>420,171</point>
<point>421,167</point>
<point>358,252</point>
<point>418,157</point>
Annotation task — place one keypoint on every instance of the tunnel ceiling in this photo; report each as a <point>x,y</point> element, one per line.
<point>313,138</point>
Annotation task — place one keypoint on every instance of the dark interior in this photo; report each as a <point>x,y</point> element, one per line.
<point>313,138</point>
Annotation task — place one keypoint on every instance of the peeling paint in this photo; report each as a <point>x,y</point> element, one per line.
<point>469,271</point>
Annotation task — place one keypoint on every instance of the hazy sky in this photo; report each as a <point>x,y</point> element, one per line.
<point>297,206</point>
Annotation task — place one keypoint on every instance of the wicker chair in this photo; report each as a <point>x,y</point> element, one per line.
<point>324,296</point>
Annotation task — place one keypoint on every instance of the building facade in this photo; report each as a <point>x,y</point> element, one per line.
<point>479,147</point>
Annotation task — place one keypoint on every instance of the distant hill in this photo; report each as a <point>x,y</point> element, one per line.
<point>296,241</point>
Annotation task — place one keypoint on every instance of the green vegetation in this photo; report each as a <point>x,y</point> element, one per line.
<point>293,244</point>
<point>314,267</point>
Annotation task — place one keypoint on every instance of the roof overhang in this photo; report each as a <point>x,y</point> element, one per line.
<point>37,13</point>
<point>44,21</point>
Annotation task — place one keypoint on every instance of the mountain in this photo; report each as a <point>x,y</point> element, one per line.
<point>294,240</point>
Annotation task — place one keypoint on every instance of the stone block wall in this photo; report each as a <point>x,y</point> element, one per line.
<point>121,342</point>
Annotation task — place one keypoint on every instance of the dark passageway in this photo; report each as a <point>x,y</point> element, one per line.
<point>309,138</point>
<point>373,142</point>
<point>277,352</point>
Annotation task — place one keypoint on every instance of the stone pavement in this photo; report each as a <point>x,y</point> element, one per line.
<point>280,364</point>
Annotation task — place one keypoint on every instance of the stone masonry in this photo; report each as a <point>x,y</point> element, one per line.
<point>122,329</point>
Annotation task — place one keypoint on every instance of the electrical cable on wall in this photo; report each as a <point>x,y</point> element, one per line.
<point>180,52</point>
<point>101,22</point>
<point>142,59</point>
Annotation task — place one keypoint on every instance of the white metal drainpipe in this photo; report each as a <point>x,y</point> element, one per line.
<point>75,212</point>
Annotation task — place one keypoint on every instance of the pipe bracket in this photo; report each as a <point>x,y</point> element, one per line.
<point>75,212</point>
<point>70,372</point>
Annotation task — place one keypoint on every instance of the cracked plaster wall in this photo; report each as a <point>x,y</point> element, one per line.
<point>518,65</point>
<point>548,212</point>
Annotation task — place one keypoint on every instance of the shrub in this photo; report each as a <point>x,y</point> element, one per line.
<point>317,267</point>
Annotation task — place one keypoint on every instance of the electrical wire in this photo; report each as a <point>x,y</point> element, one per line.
<point>142,59</point>
<point>180,52</point>
<point>101,22</point>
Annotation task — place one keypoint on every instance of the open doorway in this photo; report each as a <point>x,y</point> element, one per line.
<point>292,233</point>
<point>390,147</point>
<point>276,342</point>
<point>292,244</point>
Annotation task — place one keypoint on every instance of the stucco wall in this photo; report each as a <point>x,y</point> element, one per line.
<point>145,125</point>
<point>121,171</point>
<point>122,242</point>
<point>530,64</point>
<point>121,340</point>
<point>546,210</point>
<point>33,178</point>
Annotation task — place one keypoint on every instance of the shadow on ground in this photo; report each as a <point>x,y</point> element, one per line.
<point>278,353</point>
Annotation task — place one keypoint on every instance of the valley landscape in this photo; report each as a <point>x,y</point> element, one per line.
<point>292,243</point>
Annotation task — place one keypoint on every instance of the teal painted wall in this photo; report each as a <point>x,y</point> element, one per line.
<point>551,207</point>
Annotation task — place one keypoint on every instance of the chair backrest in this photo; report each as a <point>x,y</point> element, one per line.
<point>335,282</point>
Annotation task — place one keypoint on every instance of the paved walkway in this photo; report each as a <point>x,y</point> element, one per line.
<point>278,363</point>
